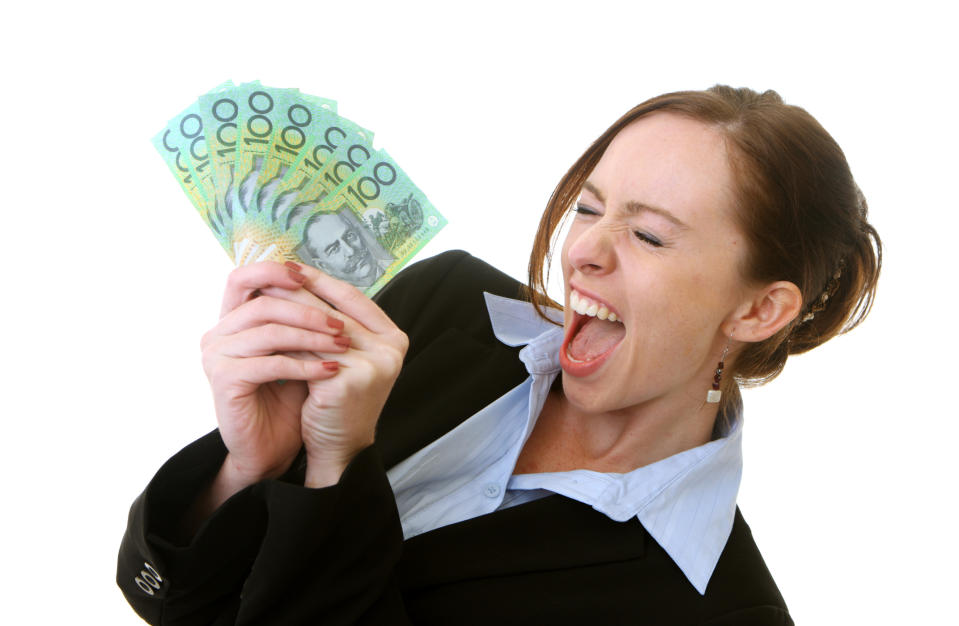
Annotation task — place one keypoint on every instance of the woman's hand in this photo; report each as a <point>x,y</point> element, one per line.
<point>244,356</point>
<point>340,412</point>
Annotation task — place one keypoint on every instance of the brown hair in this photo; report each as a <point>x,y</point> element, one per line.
<point>802,213</point>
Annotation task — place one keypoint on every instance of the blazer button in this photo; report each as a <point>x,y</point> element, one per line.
<point>149,580</point>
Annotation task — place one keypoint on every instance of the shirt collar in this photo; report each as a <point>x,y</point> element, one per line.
<point>515,322</point>
<point>687,502</point>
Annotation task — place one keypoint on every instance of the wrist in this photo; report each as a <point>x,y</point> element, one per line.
<point>238,475</point>
<point>326,469</point>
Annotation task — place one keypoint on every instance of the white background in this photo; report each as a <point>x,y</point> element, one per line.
<point>109,279</point>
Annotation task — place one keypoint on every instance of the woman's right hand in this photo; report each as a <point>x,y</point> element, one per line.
<point>244,356</point>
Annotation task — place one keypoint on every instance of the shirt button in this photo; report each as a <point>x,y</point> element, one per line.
<point>491,490</point>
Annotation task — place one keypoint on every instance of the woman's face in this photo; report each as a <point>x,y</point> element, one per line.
<point>653,240</point>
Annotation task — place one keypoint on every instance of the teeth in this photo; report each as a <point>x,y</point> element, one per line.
<point>584,306</point>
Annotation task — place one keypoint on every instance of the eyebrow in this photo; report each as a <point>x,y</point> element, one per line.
<point>633,207</point>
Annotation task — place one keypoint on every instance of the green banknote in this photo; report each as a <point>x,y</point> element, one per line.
<point>218,112</point>
<point>279,175</point>
<point>182,146</point>
<point>318,169</point>
<point>300,121</point>
<point>261,123</point>
<point>369,227</point>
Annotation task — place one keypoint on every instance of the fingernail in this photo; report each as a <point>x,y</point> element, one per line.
<point>299,278</point>
<point>331,365</point>
<point>343,342</point>
<point>334,322</point>
<point>296,267</point>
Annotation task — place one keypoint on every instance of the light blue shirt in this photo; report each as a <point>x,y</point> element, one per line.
<point>686,502</point>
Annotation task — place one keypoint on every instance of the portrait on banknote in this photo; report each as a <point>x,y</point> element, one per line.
<point>341,245</point>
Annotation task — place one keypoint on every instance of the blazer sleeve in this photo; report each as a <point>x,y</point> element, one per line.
<point>276,552</point>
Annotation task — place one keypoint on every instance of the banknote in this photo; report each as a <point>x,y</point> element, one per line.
<point>383,221</point>
<point>318,169</point>
<point>301,122</point>
<point>263,112</point>
<point>218,112</point>
<point>183,146</point>
<point>280,175</point>
<point>363,231</point>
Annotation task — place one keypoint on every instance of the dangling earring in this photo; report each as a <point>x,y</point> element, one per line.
<point>714,394</point>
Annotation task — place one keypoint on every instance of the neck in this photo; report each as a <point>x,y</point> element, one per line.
<point>568,437</point>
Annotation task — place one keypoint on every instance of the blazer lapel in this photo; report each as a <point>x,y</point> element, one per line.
<point>448,381</point>
<point>550,533</point>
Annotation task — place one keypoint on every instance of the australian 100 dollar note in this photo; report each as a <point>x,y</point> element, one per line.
<point>261,123</point>
<point>183,147</point>
<point>330,157</point>
<point>364,231</point>
<point>335,148</point>
<point>277,174</point>
<point>218,111</point>
<point>385,219</point>
<point>299,123</point>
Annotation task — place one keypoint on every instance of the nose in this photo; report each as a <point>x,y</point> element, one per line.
<point>350,242</point>
<point>590,250</point>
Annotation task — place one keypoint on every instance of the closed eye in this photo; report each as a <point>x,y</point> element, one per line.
<point>646,237</point>
<point>582,209</point>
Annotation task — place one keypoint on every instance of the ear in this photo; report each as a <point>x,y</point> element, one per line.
<point>765,312</point>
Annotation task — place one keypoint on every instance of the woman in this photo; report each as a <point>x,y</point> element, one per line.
<point>453,456</point>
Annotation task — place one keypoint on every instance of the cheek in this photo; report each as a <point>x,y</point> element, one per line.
<point>564,259</point>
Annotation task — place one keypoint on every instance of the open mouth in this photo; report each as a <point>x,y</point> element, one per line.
<point>593,334</point>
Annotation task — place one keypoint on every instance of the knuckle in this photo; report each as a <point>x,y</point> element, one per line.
<point>274,366</point>
<point>205,340</point>
<point>366,369</point>
<point>262,308</point>
<point>234,279</point>
<point>351,294</point>
<point>214,373</point>
<point>402,341</point>
<point>209,356</point>
<point>206,362</point>
<point>395,365</point>
<point>273,332</point>
<point>311,317</point>
<point>310,368</point>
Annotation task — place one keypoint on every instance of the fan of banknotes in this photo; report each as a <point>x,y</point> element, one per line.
<point>278,175</point>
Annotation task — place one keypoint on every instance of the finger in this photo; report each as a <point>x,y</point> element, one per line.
<point>345,298</point>
<point>272,338</point>
<point>364,339</point>
<point>270,310</point>
<point>244,282</point>
<point>267,369</point>
<point>301,295</point>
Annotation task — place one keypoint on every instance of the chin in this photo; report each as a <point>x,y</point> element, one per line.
<point>586,396</point>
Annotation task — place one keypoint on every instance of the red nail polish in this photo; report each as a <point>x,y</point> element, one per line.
<point>299,278</point>
<point>343,342</point>
<point>293,266</point>
<point>334,322</point>
<point>331,365</point>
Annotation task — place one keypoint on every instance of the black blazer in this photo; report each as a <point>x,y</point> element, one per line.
<point>280,553</point>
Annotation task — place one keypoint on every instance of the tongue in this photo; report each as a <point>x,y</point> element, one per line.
<point>595,337</point>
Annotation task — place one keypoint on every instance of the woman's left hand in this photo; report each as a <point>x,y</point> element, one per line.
<point>340,414</point>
